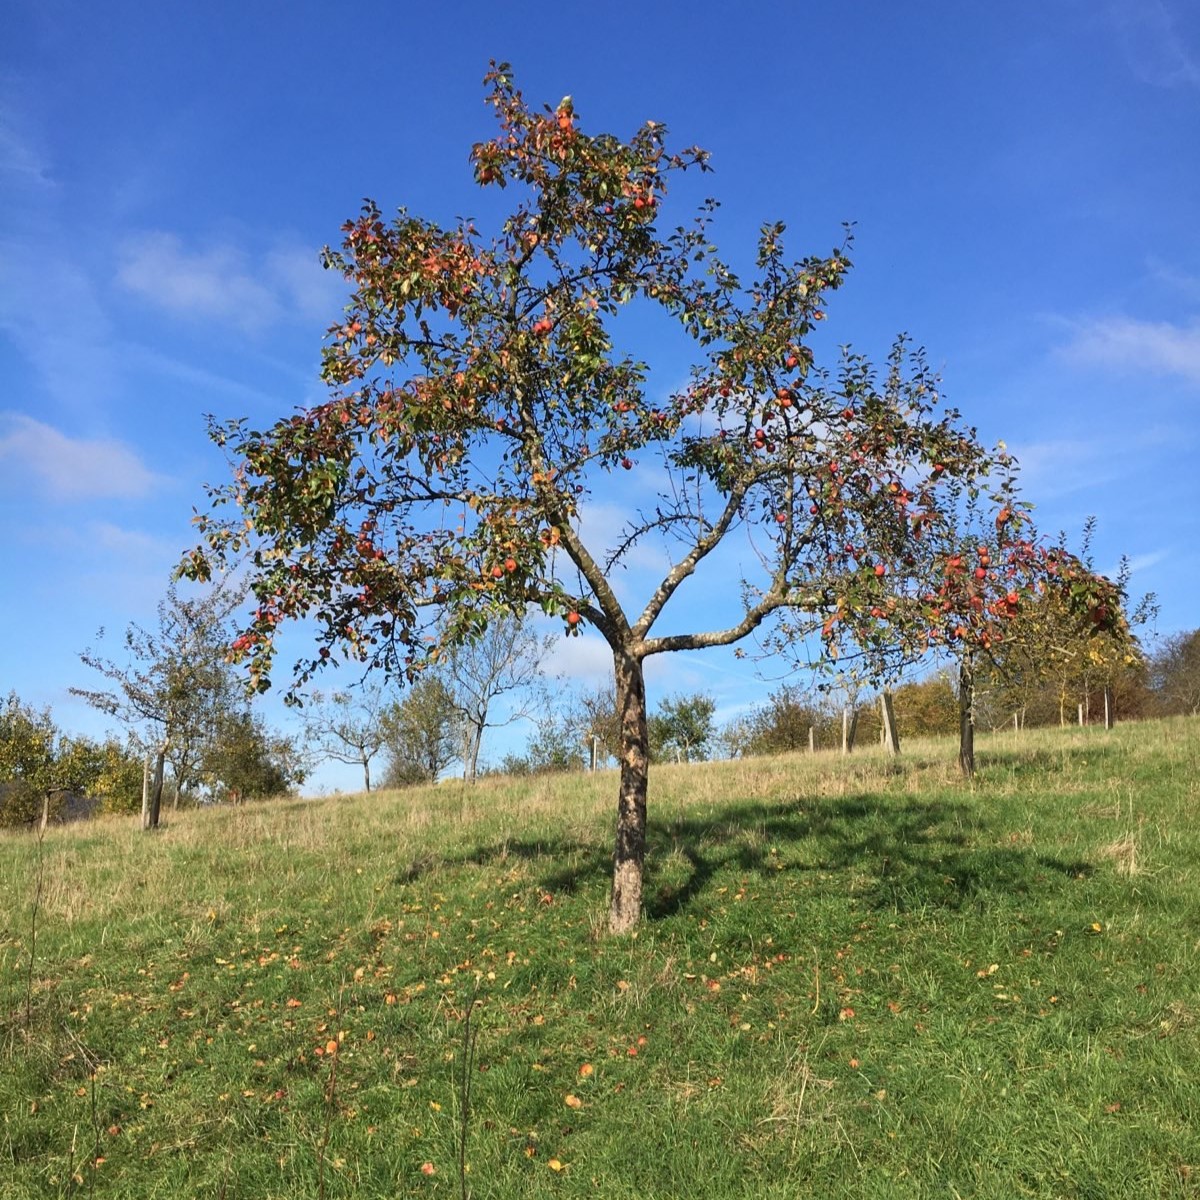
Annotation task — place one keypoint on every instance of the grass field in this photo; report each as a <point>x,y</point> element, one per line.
<point>855,979</point>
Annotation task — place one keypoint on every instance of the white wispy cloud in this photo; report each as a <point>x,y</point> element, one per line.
<point>1167,274</point>
<point>70,468</point>
<point>215,283</point>
<point>1142,562</point>
<point>18,159</point>
<point>1157,51</point>
<point>223,282</point>
<point>1161,347</point>
<point>1055,467</point>
<point>49,307</point>
<point>200,378</point>
<point>129,544</point>
<point>586,659</point>
<point>309,289</point>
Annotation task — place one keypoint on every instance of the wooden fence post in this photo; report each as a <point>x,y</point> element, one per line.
<point>891,736</point>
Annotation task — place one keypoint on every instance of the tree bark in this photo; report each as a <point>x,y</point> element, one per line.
<point>156,789</point>
<point>366,766</point>
<point>966,718</point>
<point>476,740</point>
<point>146,792</point>
<point>629,854</point>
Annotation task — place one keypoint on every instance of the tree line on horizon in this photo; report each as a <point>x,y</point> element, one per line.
<point>420,734</point>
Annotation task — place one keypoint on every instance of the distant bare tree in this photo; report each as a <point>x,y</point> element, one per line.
<point>349,726</point>
<point>505,661</point>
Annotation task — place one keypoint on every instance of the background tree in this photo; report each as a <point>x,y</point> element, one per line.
<point>47,775</point>
<point>491,676</point>
<point>116,778</point>
<point>780,725</point>
<point>422,734</point>
<point>349,726</point>
<point>1073,636</point>
<point>1174,667</point>
<point>175,685</point>
<point>682,727</point>
<point>28,761</point>
<point>927,707</point>
<point>600,720</point>
<point>480,393</point>
<point>559,742</point>
<point>246,761</point>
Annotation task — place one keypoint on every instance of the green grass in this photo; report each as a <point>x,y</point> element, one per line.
<point>856,979</point>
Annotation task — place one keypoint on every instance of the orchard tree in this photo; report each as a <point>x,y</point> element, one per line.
<point>780,725</point>
<point>45,773</point>
<point>1020,613</point>
<point>244,760</point>
<point>987,608</point>
<point>491,676</point>
<point>483,392</point>
<point>29,769</point>
<point>1175,673</point>
<point>173,685</point>
<point>927,707</point>
<point>682,727</point>
<point>422,733</point>
<point>890,612</point>
<point>349,726</point>
<point>600,722</point>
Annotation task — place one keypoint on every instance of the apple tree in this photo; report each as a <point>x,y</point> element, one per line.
<point>990,601</point>
<point>484,390</point>
<point>1075,636</point>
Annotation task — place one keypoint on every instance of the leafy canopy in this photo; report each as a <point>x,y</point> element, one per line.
<point>480,398</point>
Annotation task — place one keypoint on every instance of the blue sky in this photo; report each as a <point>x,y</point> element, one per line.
<point>1024,182</point>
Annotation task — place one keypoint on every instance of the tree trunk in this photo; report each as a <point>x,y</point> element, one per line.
<point>966,718</point>
<point>146,792</point>
<point>472,738</point>
<point>366,764</point>
<point>183,770</point>
<point>891,738</point>
<point>473,761</point>
<point>156,788</point>
<point>629,853</point>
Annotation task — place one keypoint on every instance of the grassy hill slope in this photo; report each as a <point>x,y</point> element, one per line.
<point>857,978</point>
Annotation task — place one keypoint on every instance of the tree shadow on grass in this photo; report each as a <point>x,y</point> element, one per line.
<point>894,853</point>
<point>579,861</point>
